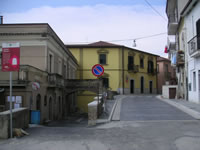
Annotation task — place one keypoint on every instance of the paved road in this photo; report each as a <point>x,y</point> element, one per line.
<point>142,108</point>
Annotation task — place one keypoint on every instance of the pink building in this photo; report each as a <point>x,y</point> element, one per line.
<point>166,74</point>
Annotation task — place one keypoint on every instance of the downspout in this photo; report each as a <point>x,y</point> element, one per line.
<point>123,70</point>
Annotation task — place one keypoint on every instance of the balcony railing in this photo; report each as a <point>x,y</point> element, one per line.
<point>25,75</point>
<point>151,71</point>
<point>194,47</point>
<point>180,58</point>
<point>55,79</point>
<point>133,68</point>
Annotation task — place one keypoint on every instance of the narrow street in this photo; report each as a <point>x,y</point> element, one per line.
<point>146,123</point>
<point>144,108</point>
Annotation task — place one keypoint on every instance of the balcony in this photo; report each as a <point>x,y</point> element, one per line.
<point>172,24</point>
<point>171,43</point>
<point>55,80</point>
<point>194,47</point>
<point>151,71</point>
<point>133,68</point>
<point>23,77</point>
<point>180,58</point>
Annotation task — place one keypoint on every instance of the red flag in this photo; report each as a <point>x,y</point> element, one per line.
<point>166,49</point>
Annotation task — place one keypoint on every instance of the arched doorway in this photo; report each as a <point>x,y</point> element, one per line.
<point>50,108</point>
<point>38,102</point>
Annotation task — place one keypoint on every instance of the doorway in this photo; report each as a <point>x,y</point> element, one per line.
<point>132,86</point>
<point>50,109</point>
<point>38,102</point>
<point>142,85</point>
<point>150,87</point>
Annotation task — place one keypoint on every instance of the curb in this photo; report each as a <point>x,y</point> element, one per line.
<point>113,109</point>
<point>117,109</point>
<point>183,108</point>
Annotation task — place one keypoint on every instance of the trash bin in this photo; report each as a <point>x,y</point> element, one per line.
<point>35,117</point>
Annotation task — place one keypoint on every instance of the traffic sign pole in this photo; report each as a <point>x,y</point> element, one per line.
<point>11,126</point>
<point>10,62</point>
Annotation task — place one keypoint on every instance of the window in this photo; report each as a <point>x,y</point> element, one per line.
<point>150,66</point>
<point>157,68</point>
<point>102,59</point>
<point>130,62</point>
<point>65,71</point>
<point>106,82</point>
<point>60,66</point>
<point>141,63</point>
<point>45,100</point>
<point>166,68</point>
<point>194,81</point>
<point>198,33</point>
<point>50,63</point>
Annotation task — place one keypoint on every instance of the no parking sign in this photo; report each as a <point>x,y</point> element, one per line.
<point>97,70</point>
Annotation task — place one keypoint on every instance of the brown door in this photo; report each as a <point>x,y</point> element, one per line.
<point>172,93</point>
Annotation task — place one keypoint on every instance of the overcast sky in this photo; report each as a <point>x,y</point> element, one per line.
<point>80,21</point>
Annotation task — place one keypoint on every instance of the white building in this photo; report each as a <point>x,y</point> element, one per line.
<point>191,14</point>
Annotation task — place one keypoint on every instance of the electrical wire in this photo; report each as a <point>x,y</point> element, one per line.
<point>143,37</point>
<point>155,10</point>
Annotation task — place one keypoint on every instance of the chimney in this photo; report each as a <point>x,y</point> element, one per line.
<point>1,19</point>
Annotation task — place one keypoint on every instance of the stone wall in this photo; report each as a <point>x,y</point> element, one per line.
<point>20,120</point>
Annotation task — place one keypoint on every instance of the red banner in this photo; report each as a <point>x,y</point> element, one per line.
<point>10,57</point>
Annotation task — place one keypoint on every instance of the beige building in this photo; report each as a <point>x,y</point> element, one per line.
<point>45,62</point>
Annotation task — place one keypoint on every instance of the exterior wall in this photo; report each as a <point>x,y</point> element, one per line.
<point>193,63</point>
<point>88,57</point>
<point>165,89</point>
<point>35,47</point>
<point>141,73</point>
<point>20,120</point>
<point>162,74</point>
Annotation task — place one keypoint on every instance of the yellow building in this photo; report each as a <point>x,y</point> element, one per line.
<point>126,70</point>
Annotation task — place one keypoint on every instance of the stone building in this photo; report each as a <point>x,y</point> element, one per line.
<point>45,63</point>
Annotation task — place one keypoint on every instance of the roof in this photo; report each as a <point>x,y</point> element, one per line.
<point>94,45</point>
<point>162,59</point>
<point>103,44</point>
<point>188,6</point>
<point>54,35</point>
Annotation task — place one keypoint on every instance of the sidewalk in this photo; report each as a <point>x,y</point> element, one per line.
<point>190,108</point>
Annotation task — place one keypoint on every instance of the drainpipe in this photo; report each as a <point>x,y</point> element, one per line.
<point>123,70</point>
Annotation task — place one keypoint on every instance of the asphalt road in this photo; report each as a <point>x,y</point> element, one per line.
<point>144,108</point>
<point>173,130</point>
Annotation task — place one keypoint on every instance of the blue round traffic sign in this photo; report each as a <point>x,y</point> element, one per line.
<point>97,70</point>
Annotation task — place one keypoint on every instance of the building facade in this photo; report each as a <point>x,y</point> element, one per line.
<point>166,73</point>
<point>191,15</point>
<point>126,70</point>
<point>45,63</point>
<point>186,32</point>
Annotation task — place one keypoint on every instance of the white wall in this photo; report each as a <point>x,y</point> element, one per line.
<point>193,63</point>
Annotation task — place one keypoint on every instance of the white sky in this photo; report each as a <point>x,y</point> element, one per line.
<point>75,24</point>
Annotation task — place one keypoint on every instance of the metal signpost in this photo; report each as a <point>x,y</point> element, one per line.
<point>10,62</point>
<point>98,71</point>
